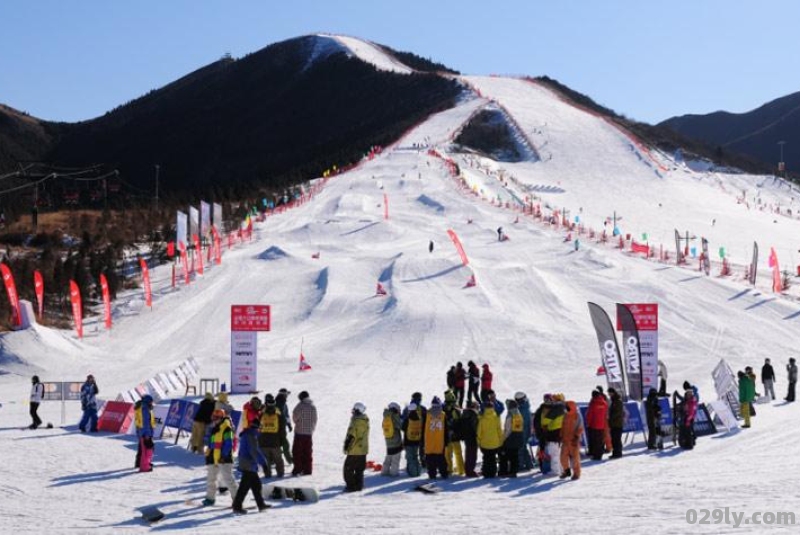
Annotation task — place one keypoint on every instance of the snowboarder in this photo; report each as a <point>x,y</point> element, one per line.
<point>499,233</point>
<point>512,441</point>
<point>219,456</point>
<point>304,417</point>
<point>37,395</point>
<point>571,432</point>
<point>616,421</point>
<point>89,405</point>
<point>145,424</point>
<point>435,440</point>
<point>356,447</point>
<point>451,378</point>
<point>747,394</point>
<point>474,376</point>
<point>490,439</point>
<point>223,403</point>
<point>201,420</point>
<point>271,433</point>
<point>392,425</point>
<point>280,401</point>
<point>469,431</point>
<point>486,382</point>
<point>413,423</point>
<point>430,246</point>
<point>250,458</point>
<point>768,379</point>
<point>791,370</point>
<point>596,422</point>
<point>525,460</point>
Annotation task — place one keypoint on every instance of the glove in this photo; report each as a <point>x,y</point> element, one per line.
<point>290,427</point>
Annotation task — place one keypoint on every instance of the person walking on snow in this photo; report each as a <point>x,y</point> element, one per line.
<point>768,379</point>
<point>392,425</point>
<point>356,447</point>
<point>89,392</point>
<point>304,417</point>
<point>791,370</point>
<point>250,458</point>
<point>219,457</point>
<point>145,424</point>
<point>37,395</point>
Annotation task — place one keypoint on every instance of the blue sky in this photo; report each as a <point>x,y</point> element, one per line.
<point>74,60</point>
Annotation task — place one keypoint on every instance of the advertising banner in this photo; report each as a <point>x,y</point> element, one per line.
<point>182,227</point>
<point>205,219</point>
<point>703,423</point>
<point>13,297</point>
<point>459,247</point>
<point>116,417</point>
<point>216,219</point>
<point>106,300</point>
<point>630,349</point>
<point>609,350</point>
<point>53,391</point>
<point>148,295</point>
<point>250,318</point>
<point>77,314</point>
<point>244,359</point>
<point>194,221</point>
<point>38,285</point>
<point>645,316</point>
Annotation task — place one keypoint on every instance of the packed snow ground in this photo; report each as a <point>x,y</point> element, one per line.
<point>527,317</point>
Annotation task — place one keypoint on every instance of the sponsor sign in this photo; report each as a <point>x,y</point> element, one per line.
<point>703,423</point>
<point>116,417</point>
<point>244,359</point>
<point>250,317</point>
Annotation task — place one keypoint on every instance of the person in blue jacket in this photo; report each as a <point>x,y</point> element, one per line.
<point>250,458</point>
<point>524,405</point>
<point>89,405</point>
<point>491,397</point>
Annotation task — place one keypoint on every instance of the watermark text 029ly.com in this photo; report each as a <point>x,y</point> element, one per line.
<point>724,515</point>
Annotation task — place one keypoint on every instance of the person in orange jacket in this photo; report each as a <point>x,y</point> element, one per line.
<point>571,432</point>
<point>597,423</point>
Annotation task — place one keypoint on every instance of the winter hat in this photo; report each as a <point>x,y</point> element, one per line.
<point>255,403</point>
<point>35,378</point>
<point>303,395</point>
<point>223,397</point>
<point>209,395</point>
<point>511,404</point>
<point>548,397</point>
<point>269,399</point>
<point>485,366</point>
<point>520,396</point>
<point>218,413</point>
<point>284,392</point>
<point>147,398</point>
<point>416,397</point>
<point>394,406</point>
<point>359,408</point>
<point>599,389</point>
<point>412,407</point>
<point>449,397</point>
<point>436,402</point>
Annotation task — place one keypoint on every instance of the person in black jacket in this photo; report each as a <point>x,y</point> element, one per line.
<point>469,432</point>
<point>201,420</point>
<point>653,414</point>
<point>474,375</point>
<point>768,379</point>
<point>616,421</point>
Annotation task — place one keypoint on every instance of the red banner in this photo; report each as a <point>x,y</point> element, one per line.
<point>77,315</point>
<point>13,297</point>
<point>106,299</point>
<point>184,260</point>
<point>217,245</point>
<point>38,285</point>
<point>640,248</point>
<point>116,417</point>
<point>198,250</point>
<point>777,283</point>
<point>148,296</point>
<point>459,247</point>
<point>250,317</point>
<point>171,249</point>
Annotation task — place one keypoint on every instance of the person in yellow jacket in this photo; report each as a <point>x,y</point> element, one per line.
<point>490,439</point>
<point>435,440</point>
<point>571,431</point>
<point>356,447</point>
<point>219,456</point>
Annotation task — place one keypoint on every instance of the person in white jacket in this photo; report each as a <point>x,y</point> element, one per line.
<point>37,395</point>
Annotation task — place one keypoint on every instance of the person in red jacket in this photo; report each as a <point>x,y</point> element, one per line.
<point>461,381</point>
<point>486,382</point>
<point>596,421</point>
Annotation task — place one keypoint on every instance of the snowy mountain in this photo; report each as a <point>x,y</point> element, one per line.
<point>318,264</point>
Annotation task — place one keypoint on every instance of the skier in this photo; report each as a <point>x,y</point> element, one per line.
<point>219,457</point>
<point>435,440</point>
<point>37,395</point>
<point>486,382</point>
<point>512,441</point>
<point>145,424</point>
<point>616,421</point>
<point>747,394</point>
<point>653,415</point>
<point>392,425</point>
<point>571,432</point>
<point>271,433</point>
<point>596,422</point>
<point>461,379</point>
<point>525,460</point>
<point>356,447</point>
<point>791,370</point>
<point>469,430</point>
<point>89,405</point>
<point>412,437</point>
<point>304,417</point>
<point>474,376</point>
<point>490,439</point>
<point>250,458</point>
<point>201,420</point>
<point>768,379</point>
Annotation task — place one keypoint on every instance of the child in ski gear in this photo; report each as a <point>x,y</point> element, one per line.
<point>461,379</point>
<point>490,439</point>
<point>89,405</point>
<point>413,428</point>
<point>271,432</point>
<point>435,440</point>
<point>768,379</point>
<point>469,432</point>
<point>250,458</point>
<point>525,460</point>
<point>596,422</point>
<point>392,425</point>
<point>747,394</point>
<point>201,420</point>
<point>653,415</point>
<point>791,370</point>
<point>571,432</point>
<point>219,456</point>
<point>486,382</point>
<point>474,376</point>
<point>616,421</point>
<point>304,417</point>
<point>356,447</point>
<point>512,441</point>
<point>145,422</point>
<point>37,394</point>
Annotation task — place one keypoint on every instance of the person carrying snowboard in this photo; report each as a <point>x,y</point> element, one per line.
<point>356,447</point>
<point>392,425</point>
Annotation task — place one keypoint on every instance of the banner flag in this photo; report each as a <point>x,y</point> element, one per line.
<point>304,365</point>
<point>194,221</point>
<point>459,247</point>
<point>148,296</point>
<point>198,253</point>
<point>77,314</point>
<point>217,245</point>
<point>38,285</point>
<point>609,349</point>
<point>631,345</point>
<point>13,297</point>
<point>181,227</point>
<point>706,260</point>
<point>106,300</point>
<point>216,215</point>
<point>777,283</point>
<point>640,248</point>
<point>205,219</point>
<point>184,260</point>
<point>754,264</point>
<point>171,249</point>
<point>679,255</point>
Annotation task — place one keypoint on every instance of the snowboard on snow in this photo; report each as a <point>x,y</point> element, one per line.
<point>295,493</point>
<point>428,488</point>
<point>151,514</point>
<point>48,425</point>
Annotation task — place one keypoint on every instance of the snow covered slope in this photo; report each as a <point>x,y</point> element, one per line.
<point>527,317</point>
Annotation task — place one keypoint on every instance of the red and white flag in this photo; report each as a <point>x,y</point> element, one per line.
<point>380,290</point>
<point>304,365</point>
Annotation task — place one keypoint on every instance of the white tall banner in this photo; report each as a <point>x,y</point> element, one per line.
<point>194,222</point>
<point>216,219</point>
<point>244,359</point>
<point>205,219</point>
<point>181,228</point>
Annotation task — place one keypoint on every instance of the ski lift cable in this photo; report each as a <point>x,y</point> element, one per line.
<point>28,185</point>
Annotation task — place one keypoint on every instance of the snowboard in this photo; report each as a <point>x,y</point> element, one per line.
<point>295,493</point>
<point>151,514</point>
<point>48,425</point>
<point>428,488</point>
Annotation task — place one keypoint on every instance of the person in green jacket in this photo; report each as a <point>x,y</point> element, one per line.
<point>356,447</point>
<point>747,393</point>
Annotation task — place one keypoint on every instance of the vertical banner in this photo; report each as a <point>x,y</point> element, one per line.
<point>13,297</point>
<point>106,300</point>
<point>777,283</point>
<point>244,358</point>
<point>216,215</point>
<point>609,349</point>
<point>181,227</point>
<point>385,206</point>
<point>38,286</point>
<point>706,260</point>
<point>77,314</point>
<point>678,254</point>
<point>639,326</point>
<point>754,264</point>
<point>198,253</point>
<point>459,247</point>
<point>205,220</point>
<point>148,296</point>
<point>184,261</point>
<point>630,348</point>
<point>217,245</point>
<point>194,221</point>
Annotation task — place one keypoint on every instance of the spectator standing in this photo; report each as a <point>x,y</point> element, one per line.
<point>304,417</point>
